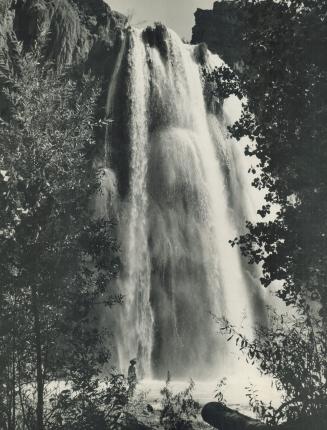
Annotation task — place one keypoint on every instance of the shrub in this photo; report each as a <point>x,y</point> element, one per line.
<point>293,350</point>
<point>179,409</point>
<point>97,406</point>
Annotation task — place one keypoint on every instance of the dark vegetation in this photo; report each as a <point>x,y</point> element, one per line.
<point>57,261</point>
<point>284,76</point>
<point>293,351</point>
<point>178,410</point>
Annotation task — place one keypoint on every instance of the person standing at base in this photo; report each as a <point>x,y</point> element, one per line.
<point>132,378</point>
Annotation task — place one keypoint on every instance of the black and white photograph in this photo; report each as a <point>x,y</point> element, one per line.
<point>163,214</point>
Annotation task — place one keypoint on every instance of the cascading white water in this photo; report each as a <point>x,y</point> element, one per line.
<point>137,318</point>
<point>182,197</point>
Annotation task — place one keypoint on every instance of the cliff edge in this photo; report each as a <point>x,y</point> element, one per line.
<point>72,31</point>
<point>221,29</point>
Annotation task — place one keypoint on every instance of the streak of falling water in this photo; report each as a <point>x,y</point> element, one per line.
<point>106,200</point>
<point>137,318</point>
<point>111,94</point>
<point>186,199</point>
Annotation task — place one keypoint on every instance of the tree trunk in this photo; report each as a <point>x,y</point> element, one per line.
<point>221,417</point>
<point>19,383</point>
<point>9,396</point>
<point>14,334</point>
<point>14,385</point>
<point>38,350</point>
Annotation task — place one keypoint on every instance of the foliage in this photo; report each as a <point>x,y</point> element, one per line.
<point>56,259</point>
<point>219,391</point>
<point>179,409</point>
<point>285,80</point>
<point>97,406</point>
<point>223,82</point>
<point>138,404</point>
<point>287,89</point>
<point>264,412</point>
<point>294,352</point>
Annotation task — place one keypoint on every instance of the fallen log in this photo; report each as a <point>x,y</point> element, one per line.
<point>221,417</point>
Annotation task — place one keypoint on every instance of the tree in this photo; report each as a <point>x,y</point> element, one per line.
<point>285,80</point>
<point>293,351</point>
<point>56,259</point>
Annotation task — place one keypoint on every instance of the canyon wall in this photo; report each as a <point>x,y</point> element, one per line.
<point>221,29</point>
<point>76,31</point>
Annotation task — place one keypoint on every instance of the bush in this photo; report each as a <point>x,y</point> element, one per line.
<point>98,406</point>
<point>179,409</point>
<point>293,350</point>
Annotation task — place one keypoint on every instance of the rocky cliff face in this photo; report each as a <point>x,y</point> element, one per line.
<point>221,29</point>
<point>76,31</point>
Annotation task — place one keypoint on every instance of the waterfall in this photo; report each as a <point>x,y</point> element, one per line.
<point>183,194</point>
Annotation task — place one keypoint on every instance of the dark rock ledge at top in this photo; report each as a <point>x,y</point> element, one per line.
<point>77,31</point>
<point>83,32</point>
<point>221,29</point>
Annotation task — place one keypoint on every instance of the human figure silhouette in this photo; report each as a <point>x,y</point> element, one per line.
<point>132,378</point>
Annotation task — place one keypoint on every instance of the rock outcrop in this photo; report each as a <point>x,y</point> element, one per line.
<point>78,32</point>
<point>221,29</point>
<point>82,34</point>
